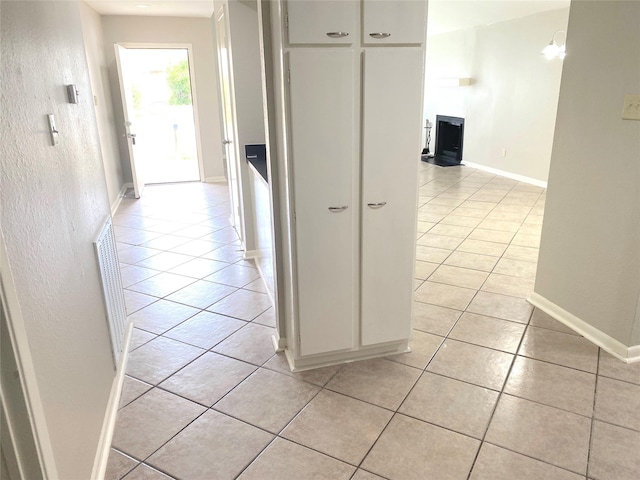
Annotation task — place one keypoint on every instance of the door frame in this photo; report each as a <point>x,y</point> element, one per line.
<point>30,392</point>
<point>192,77</point>
<point>233,154</point>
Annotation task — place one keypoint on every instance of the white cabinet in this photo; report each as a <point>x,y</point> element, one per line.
<point>321,21</point>
<point>351,150</point>
<point>323,145</point>
<point>394,22</point>
<point>392,89</point>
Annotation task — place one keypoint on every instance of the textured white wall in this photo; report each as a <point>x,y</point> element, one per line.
<point>590,252</point>
<point>513,101</point>
<point>54,201</point>
<point>196,31</point>
<point>99,77</point>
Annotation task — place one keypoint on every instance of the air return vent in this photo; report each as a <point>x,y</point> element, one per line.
<point>113,294</point>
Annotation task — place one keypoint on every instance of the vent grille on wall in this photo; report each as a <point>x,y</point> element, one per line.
<point>113,293</point>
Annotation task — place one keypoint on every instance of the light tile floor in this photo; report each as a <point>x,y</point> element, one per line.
<point>492,390</point>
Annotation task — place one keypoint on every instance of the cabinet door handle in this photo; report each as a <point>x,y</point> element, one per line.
<point>338,209</point>
<point>379,35</point>
<point>337,34</point>
<point>377,205</point>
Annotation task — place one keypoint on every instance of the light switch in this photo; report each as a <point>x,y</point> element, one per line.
<point>53,130</point>
<point>631,108</point>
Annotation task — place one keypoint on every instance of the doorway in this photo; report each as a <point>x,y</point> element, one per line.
<point>160,115</point>
<point>229,123</point>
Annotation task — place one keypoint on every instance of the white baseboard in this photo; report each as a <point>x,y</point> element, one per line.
<point>116,203</point>
<point>279,344</point>
<point>503,173</point>
<point>106,435</point>
<point>591,333</point>
<point>218,179</point>
<point>250,254</point>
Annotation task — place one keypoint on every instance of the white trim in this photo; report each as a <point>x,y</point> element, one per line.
<point>27,374</point>
<point>218,179</point>
<point>251,254</point>
<point>118,201</point>
<point>279,344</point>
<point>196,115</point>
<point>109,423</point>
<point>591,333</point>
<point>503,173</point>
<point>192,77</point>
<point>11,456</point>
<point>328,359</point>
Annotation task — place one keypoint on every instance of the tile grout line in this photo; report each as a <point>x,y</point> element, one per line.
<point>495,407</point>
<point>278,435</point>
<point>156,386</point>
<point>324,387</point>
<point>405,398</point>
<point>593,414</point>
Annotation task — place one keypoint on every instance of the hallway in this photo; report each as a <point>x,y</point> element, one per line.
<point>491,390</point>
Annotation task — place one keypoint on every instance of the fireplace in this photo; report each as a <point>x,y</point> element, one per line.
<point>449,140</point>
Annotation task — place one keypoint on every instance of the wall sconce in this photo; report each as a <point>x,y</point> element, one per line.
<point>554,50</point>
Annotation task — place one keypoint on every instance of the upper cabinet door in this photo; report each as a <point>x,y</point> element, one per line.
<point>321,21</point>
<point>394,22</point>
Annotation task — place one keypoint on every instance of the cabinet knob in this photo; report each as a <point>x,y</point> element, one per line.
<point>377,205</point>
<point>226,142</point>
<point>379,35</point>
<point>337,34</point>
<point>338,209</point>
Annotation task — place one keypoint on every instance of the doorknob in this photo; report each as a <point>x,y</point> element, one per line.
<point>226,142</point>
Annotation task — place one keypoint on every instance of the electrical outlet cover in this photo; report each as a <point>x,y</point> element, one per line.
<point>631,108</point>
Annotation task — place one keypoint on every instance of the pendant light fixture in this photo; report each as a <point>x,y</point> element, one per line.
<point>554,50</point>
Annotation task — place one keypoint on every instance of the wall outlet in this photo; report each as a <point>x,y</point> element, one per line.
<point>631,108</point>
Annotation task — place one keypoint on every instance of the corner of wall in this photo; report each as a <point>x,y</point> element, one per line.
<point>628,354</point>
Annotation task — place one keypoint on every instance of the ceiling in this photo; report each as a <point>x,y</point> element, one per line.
<point>444,15</point>
<point>450,15</point>
<point>156,8</point>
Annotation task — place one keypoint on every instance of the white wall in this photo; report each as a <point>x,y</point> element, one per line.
<point>54,200</point>
<point>512,102</point>
<point>448,57</point>
<point>590,251</point>
<point>196,31</point>
<point>247,77</point>
<point>99,77</point>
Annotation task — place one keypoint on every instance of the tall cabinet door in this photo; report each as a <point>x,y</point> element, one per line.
<point>323,132</point>
<point>391,151</point>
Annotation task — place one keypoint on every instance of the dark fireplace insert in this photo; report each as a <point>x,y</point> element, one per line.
<point>449,141</point>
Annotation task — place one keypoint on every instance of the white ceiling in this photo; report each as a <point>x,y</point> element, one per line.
<point>157,8</point>
<point>444,15</point>
<point>450,15</point>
